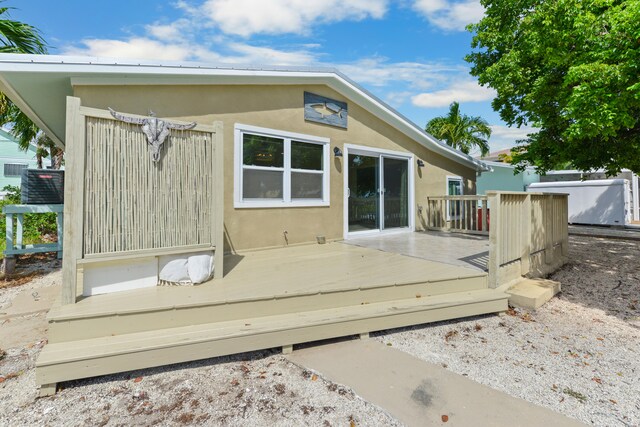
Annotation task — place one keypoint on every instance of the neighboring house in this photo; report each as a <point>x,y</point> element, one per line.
<point>502,178</point>
<point>279,159</point>
<point>13,160</point>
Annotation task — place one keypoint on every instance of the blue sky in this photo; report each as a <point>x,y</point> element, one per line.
<point>408,52</point>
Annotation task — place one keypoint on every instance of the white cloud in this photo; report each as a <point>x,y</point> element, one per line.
<point>461,91</point>
<point>168,32</point>
<point>380,72</point>
<point>451,15</point>
<point>503,137</point>
<point>135,47</point>
<point>248,54</point>
<point>248,17</point>
<point>183,50</point>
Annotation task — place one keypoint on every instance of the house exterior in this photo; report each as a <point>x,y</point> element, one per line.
<point>503,178</point>
<point>242,180</point>
<point>270,104</point>
<point>13,160</point>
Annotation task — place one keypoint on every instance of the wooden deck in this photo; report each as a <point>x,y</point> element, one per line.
<point>269,298</point>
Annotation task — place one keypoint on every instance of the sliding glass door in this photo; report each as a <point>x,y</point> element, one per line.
<point>378,192</point>
<point>364,193</point>
<point>395,192</point>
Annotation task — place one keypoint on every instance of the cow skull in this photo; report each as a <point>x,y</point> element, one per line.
<point>155,129</point>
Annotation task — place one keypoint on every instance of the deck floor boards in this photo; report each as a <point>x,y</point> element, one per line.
<point>278,272</point>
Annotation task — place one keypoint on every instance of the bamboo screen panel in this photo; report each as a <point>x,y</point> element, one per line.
<point>132,203</point>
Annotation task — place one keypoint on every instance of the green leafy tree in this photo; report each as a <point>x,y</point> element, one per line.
<point>570,68</point>
<point>19,37</point>
<point>460,131</point>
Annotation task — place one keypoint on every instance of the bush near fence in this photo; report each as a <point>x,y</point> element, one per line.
<point>38,228</point>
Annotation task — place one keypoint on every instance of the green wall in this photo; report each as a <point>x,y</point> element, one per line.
<point>503,179</point>
<point>11,153</point>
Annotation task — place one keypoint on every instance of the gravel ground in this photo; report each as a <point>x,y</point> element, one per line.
<point>579,354</point>
<point>259,388</point>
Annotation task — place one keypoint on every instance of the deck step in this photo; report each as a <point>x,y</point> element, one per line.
<point>130,312</point>
<point>110,354</point>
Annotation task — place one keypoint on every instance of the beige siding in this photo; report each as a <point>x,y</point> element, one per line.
<point>279,107</point>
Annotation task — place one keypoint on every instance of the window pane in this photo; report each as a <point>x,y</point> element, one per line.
<point>259,184</point>
<point>14,169</point>
<point>455,187</point>
<point>306,185</point>
<point>306,156</point>
<point>262,151</point>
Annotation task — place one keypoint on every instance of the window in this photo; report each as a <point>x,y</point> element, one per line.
<point>14,169</point>
<point>276,168</point>
<point>454,188</point>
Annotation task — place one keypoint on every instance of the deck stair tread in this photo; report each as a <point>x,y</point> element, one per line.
<point>96,348</point>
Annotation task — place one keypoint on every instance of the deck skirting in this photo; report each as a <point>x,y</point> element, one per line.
<point>110,354</point>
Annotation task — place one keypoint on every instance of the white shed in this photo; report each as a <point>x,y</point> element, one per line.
<point>597,202</point>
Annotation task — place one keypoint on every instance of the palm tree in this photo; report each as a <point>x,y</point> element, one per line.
<point>19,37</point>
<point>460,131</point>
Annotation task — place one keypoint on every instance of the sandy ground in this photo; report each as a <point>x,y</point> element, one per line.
<point>578,355</point>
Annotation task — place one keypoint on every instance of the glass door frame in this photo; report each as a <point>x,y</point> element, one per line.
<point>379,153</point>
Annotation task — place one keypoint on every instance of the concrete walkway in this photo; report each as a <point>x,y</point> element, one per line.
<point>463,250</point>
<point>419,393</point>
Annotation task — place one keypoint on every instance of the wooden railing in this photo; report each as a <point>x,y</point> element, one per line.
<point>529,235</point>
<point>462,214</point>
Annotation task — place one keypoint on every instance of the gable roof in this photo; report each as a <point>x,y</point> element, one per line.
<point>39,85</point>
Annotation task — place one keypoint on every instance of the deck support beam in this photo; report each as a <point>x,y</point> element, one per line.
<point>364,335</point>
<point>48,389</point>
<point>287,349</point>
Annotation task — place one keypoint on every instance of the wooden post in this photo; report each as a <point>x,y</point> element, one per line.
<point>218,188</point>
<point>548,229</point>
<point>19,230</point>
<point>60,229</point>
<point>73,199</point>
<point>495,240</point>
<point>9,232</point>
<point>485,209</point>
<point>564,217</point>
<point>525,236</point>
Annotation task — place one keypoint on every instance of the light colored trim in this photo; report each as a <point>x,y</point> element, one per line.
<point>8,90</point>
<point>105,114</point>
<point>635,194</point>
<point>380,153</point>
<point>218,207</point>
<point>144,253</point>
<point>73,200</point>
<point>286,201</point>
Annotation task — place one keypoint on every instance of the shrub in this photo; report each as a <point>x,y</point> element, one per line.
<point>38,228</point>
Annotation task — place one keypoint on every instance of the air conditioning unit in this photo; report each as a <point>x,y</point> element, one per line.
<point>42,187</point>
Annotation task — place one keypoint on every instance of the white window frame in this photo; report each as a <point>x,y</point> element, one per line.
<point>461,182</point>
<point>287,201</point>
